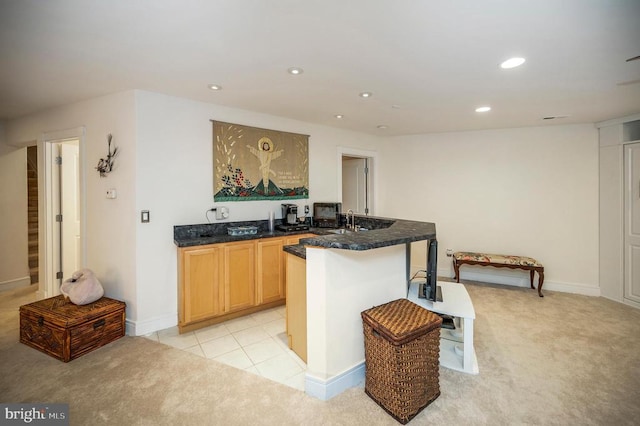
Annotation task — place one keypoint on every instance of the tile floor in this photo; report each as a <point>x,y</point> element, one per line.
<point>256,343</point>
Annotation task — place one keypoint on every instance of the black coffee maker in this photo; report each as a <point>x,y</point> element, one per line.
<point>290,219</point>
<point>289,214</point>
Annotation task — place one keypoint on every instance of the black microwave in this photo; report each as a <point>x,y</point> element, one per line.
<point>326,215</point>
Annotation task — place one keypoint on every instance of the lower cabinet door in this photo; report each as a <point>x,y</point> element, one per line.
<point>239,275</point>
<point>202,295</point>
<point>270,270</point>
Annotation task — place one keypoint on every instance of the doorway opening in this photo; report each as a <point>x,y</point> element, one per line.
<point>357,180</point>
<point>62,221</point>
<point>32,212</point>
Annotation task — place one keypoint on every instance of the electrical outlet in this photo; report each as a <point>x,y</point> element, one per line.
<point>306,209</point>
<point>449,252</point>
<point>222,213</point>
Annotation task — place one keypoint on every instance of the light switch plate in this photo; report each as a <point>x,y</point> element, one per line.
<point>111,193</point>
<point>144,216</point>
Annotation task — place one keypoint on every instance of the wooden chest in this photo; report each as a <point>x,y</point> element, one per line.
<point>66,331</point>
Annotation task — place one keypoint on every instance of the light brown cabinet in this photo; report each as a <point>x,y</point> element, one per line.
<point>296,277</point>
<point>202,299</point>
<point>217,282</point>
<point>239,275</point>
<point>270,270</point>
<point>296,294</point>
<point>295,239</point>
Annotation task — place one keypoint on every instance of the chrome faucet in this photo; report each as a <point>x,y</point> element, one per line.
<point>353,220</point>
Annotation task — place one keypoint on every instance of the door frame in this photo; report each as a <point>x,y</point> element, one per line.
<point>372,184</point>
<point>48,287</point>
<point>630,192</point>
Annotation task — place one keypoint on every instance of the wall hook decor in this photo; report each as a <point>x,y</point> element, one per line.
<point>105,165</point>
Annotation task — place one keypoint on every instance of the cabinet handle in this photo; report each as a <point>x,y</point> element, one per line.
<point>99,323</point>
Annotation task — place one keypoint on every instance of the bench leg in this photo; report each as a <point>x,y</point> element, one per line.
<point>531,273</point>
<point>456,270</point>
<point>540,281</point>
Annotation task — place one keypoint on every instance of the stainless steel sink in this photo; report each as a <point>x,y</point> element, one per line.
<point>346,231</point>
<point>340,231</point>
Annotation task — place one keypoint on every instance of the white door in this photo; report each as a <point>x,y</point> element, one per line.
<point>632,222</point>
<point>354,185</point>
<point>65,202</point>
<point>70,196</point>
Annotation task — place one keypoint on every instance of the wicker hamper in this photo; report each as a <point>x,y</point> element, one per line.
<point>402,349</point>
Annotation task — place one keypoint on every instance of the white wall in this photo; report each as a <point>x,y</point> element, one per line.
<point>611,221</point>
<point>526,191</point>
<point>110,224</point>
<point>14,263</point>
<point>174,181</point>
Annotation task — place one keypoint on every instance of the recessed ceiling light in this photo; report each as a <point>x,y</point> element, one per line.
<point>366,95</point>
<point>483,109</point>
<point>295,70</point>
<point>383,126</point>
<point>512,63</point>
<point>339,116</point>
<point>215,87</point>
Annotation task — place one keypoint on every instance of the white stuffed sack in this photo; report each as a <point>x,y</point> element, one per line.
<point>82,288</point>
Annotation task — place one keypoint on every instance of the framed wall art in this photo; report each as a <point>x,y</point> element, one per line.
<point>258,164</point>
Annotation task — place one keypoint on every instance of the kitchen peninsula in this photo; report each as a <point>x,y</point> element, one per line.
<point>346,273</point>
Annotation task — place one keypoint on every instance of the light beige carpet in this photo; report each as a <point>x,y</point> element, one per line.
<point>563,359</point>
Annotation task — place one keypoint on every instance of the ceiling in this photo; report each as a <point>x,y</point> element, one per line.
<point>429,64</point>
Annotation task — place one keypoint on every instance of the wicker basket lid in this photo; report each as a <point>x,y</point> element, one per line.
<point>61,312</point>
<point>401,321</point>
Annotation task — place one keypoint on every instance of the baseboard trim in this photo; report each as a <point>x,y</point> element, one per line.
<point>17,283</point>
<point>327,389</point>
<point>519,278</point>
<point>631,303</point>
<point>141,328</point>
<point>574,288</point>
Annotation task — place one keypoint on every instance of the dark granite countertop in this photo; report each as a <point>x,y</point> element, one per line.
<point>215,233</point>
<point>377,232</point>
<point>296,250</point>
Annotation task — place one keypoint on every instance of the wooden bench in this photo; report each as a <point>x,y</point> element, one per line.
<point>499,261</point>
